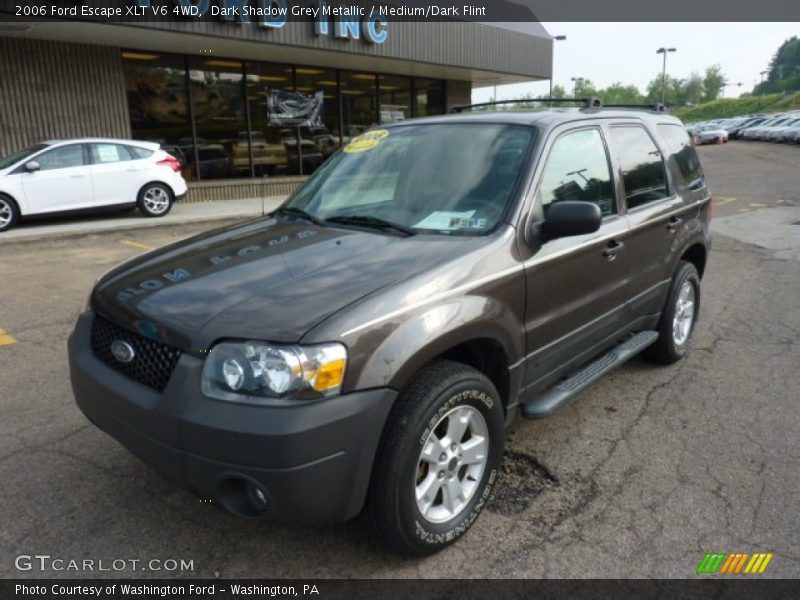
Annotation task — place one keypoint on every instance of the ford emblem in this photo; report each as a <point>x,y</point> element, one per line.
<point>122,351</point>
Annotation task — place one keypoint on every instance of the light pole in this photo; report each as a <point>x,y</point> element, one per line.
<point>664,51</point>
<point>576,82</point>
<point>556,38</point>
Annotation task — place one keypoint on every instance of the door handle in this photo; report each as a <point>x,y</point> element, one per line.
<point>131,170</point>
<point>674,223</point>
<point>76,176</point>
<point>614,247</point>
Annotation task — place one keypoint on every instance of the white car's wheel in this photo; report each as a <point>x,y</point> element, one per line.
<point>155,200</point>
<point>9,212</point>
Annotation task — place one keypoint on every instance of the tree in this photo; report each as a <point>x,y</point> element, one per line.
<point>713,83</point>
<point>559,91</point>
<point>618,93</point>
<point>784,69</point>
<point>695,89</point>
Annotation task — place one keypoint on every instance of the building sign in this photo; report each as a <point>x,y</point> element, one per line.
<point>344,22</point>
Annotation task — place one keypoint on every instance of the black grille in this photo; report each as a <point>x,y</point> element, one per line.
<point>152,364</point>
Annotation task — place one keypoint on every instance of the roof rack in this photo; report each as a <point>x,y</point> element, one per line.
<point>656,107</point>
<point>589,102</point>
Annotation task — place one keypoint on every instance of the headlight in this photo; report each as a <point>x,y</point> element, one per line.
<point>254,371</point>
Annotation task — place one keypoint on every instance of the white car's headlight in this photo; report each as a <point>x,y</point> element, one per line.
<point>254,371</point>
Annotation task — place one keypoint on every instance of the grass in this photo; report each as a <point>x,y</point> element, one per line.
<point>734,107</point>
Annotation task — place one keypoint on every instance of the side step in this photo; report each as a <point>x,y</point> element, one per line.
<point>557,396</point>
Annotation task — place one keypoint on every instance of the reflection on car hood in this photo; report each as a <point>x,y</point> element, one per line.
<point>272,279</point>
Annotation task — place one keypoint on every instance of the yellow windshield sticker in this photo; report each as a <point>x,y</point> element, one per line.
<point>366,141</point>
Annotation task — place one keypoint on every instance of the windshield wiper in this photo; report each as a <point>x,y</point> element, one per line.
<point>293,211</point>
<point>371,222</point>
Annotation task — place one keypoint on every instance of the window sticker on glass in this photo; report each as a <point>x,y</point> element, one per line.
<point>366,141</point>
<point>448,220</point>
<point>106,153</point>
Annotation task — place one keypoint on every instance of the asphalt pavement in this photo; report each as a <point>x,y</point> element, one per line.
<point>639,477</point>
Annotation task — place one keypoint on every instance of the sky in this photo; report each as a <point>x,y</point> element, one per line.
<point>609,52</point>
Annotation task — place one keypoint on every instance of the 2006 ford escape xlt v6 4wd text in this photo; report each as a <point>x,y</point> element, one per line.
<point>366,345</point>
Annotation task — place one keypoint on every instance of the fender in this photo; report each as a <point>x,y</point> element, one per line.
<point>433,330</point>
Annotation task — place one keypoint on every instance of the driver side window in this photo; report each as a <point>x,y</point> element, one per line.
<point>577,169</point>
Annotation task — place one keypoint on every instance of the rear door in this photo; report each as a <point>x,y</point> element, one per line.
<point>656,213</point>
<point>575,297</point>
<point>116,173</point>
<point>63,181</point>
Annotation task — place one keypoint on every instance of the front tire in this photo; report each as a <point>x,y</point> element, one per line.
<point>154,200</point>
<point>678,317</point>
<point>438,461</point>
<point>9,212</point>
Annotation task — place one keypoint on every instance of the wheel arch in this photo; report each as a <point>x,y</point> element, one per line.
<point>696,254</point>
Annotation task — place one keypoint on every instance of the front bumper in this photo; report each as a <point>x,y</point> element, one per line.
<point>312,461</point>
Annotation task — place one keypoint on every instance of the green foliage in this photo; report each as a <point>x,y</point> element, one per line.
<point>734,107</point>
<point>784,69</point>
<point>713,83</point>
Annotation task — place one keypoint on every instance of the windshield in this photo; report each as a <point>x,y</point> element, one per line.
<point>12,159</point>
<point>443,178</point>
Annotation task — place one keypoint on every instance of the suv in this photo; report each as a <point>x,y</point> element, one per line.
<point>368,343</point>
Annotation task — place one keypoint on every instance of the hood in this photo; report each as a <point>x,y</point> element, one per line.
<point>271,279</point>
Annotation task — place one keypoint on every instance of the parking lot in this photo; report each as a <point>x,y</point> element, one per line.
<point>639,477</point>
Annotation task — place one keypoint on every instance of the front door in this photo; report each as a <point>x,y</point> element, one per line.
<point>575,286</point>
<point>63,181</point>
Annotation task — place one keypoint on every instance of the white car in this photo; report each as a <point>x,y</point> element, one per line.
<point>85,174</point>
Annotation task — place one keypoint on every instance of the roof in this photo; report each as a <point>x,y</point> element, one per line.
<point>548,117</point>
<point>153,145</point>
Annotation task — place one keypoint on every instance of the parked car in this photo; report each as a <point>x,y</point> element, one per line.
<point>269,157</point>
<point>88,174</point>
<point>312,157</point>
<point>214,162</point>
<point>780,132</point>
<point>709,134</point>
<point>368,343</point>
<point>735,131</point>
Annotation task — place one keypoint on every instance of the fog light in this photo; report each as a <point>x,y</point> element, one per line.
<point>257,496</point>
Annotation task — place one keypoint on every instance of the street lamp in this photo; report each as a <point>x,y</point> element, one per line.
<point>576,82</point>
<point>556,38</point>
<point>664,51</point>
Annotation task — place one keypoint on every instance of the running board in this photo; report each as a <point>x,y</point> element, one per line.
<point>557,396</point>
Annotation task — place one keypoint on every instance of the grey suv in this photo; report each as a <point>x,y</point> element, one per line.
<point>367,344</point>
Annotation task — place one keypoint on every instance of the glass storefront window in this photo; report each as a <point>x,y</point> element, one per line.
<point>225,118</point>
<point>270,154</point>
<point>220,149</point>
<point>158,100</point>
<point>395,95</point>
<point>317,141</point>
<point>359,103</point>
<point>430,97</point>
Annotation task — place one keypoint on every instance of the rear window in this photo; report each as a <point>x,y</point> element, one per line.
<point>683,154</point>
<point>139,152</point>
<point>642,167</point>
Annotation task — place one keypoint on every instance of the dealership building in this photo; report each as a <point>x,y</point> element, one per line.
<point>203,88</point>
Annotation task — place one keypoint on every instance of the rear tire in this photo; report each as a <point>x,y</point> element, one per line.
<point>154,200</point>
<point>9,212</point>
<point>438,460</point>
<point>678,317</point>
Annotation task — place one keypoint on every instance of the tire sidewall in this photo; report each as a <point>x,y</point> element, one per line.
<point>427,536</point>
<point>687,272</point>
<point>14,213</point>
<point>143,207</point>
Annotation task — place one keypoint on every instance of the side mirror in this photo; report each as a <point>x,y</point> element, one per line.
<point>571,217</point>
<point>32,166</point>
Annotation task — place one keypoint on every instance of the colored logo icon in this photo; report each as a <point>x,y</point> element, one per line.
<point>735,563</point>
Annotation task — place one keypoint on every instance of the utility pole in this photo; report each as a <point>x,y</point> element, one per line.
<point>557,38</point>
<point>664,51</point>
